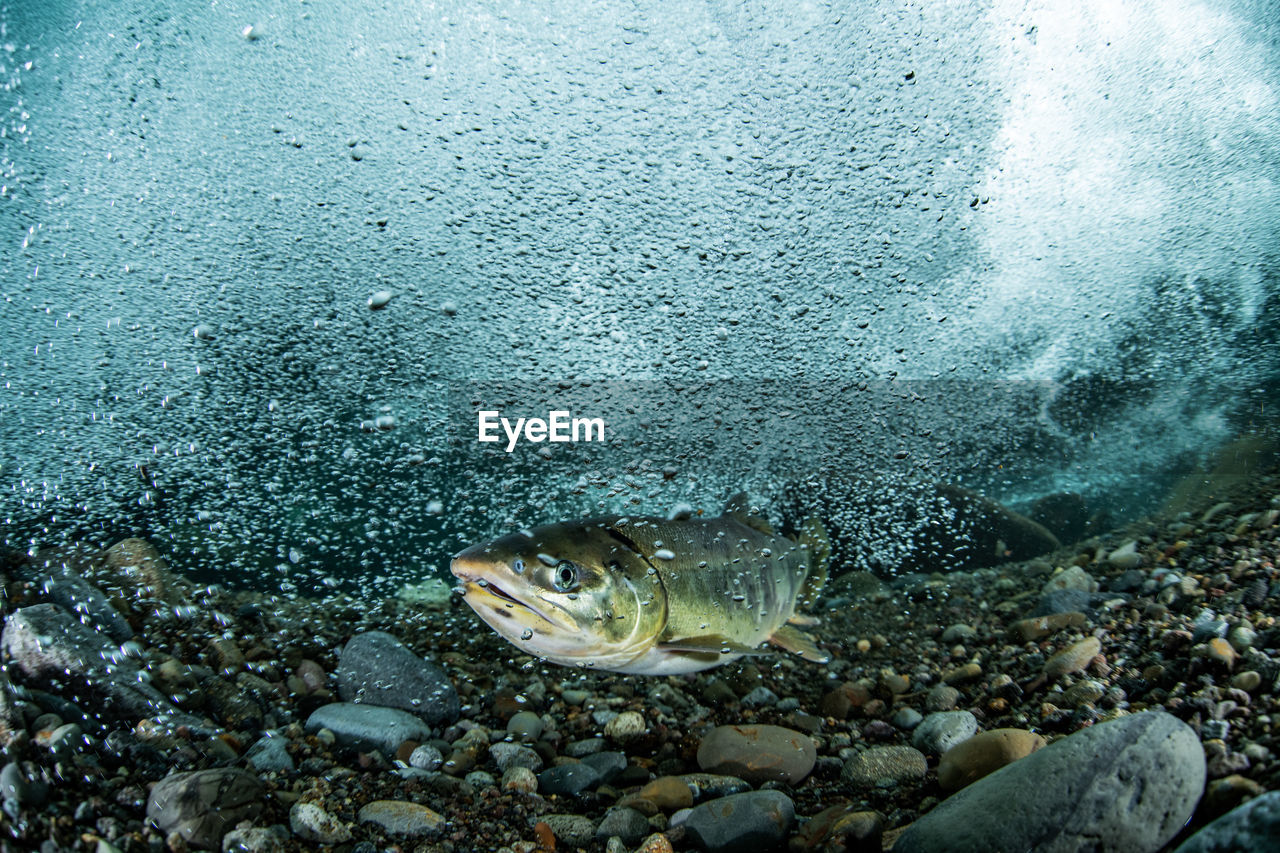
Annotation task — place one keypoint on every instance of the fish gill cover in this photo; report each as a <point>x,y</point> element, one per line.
<point>264,264</point>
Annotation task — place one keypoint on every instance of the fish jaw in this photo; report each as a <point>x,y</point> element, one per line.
<point>503,602</point>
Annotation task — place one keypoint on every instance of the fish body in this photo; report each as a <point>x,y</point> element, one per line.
<point>646,595</point>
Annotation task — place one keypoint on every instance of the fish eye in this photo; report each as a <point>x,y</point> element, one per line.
<point>518,566</point>
<point>565,577</point>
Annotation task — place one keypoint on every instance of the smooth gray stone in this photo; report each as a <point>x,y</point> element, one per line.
<point>1126,785</point>
<point>1252,826</point>
<point>270,752</point>
<point>368,727</point>
<point>377,669</point>
<point>756,821</point>
<point>627,824</point>
<point>568,779</point>
<point>942,730</point>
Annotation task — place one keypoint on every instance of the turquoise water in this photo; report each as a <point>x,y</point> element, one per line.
<point>1025,248</point>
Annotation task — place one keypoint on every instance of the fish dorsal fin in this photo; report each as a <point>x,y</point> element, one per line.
<point>739,507</point>
<point>717,644</point>
<point>799,643</point>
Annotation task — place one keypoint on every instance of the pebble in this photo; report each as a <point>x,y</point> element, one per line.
<point>574,696</point>
<point>1220,651</point>
<point>625,823</point>
<point>1085,692</point>
<point>426,757</point>
<point>758,753</point>
<point>941,698</point>
<point>760,697</point>
<point>1133,781</point>
<point>15,784</point>
<point>137,561</point>
<point>908,718</point>
<point>666,793</point>
<point>1073,658</point>
<point>368,727</point>
<point>568,779</point>
<point>200,806</point>
<point>1072,577</point>
<point>958,633</point>
<point>379,298</point>
<point>1060,601</point>
<point>1249,681</point>
<point>247,840</point>
<point>841,701</point>
<point>841,827</point>
<point>963,674</point>
<point>398,817</point>
<point>625,727</point>
<point>270,753</point>
<point>607,764</point>
<point>574,830</point>
<point>942,730</point>
<point>520,779</point>
<point>312,823</point>
<point>1252,826</point>
<point>376,668</point>
<point>709,786</point>
<point>894,764</point>
<point>508,755</point>
<point>1036,627</point>
<point>756,820</point>
<point>583,748</point>
<point>525,725</point>
<point>1126,556</point>
<point>984,753</point>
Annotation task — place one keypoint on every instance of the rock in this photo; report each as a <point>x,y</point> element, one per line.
<point>758,753</point>
<point>984,753</point>
<point>1252,826</point>
<point>942,730</point>
<point>568,779</point>
<point>907,718</point>
<point>1064,601</point>
<point>958,633</point>
<point>625,727</point>
<point>709,786</point>
<point>841,701</point>
<point>426,757</point>
<point>607,764</point>
<point>250,840</point>
<point>1073,658</point>
<point>1133,781</point>
<point>1035,627</point>
<point>202,805</point>
<point>525,725</point>
<point>1072,577</point>
<point>508,755</point>
<point>519,779</point>
<point>943,697</point>
<point>16,784</point>
<point>11,722</point>
<point>398,817</point>
<point>140,564</point>
<point>574,830</point>
<point>367,727</point>
<point>88,603</point>
<point>756,820</point>
<point>627,824</point>
<point>1085,692</point>
<point>895,764</point>
<point>312,823</point>
<point>48,645</point>
<point>270,754</point>
<point>377,669</point>
<point>841,827</point>
<point>1126,556</point>
<point>666,793</point>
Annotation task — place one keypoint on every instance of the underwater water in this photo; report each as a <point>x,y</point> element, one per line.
<point>299,299</point>
<point>1025,248</point>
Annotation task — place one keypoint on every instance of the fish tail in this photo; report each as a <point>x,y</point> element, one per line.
<point>813,536</point>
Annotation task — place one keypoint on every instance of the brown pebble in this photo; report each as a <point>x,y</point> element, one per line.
<point>984,753</point>
<point>1223,795</point>
<point>1042,626</point>
<point>841,701</point>
<point>1073,658</point>
<point>963,674</point>
<point>1220,651</point>
<point>941,698</point>
<point>667,793</point>
<point>656,843</point>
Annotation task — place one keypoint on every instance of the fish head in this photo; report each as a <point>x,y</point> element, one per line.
<point>572,593</point>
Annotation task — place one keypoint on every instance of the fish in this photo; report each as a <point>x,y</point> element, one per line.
<point>647,595</point>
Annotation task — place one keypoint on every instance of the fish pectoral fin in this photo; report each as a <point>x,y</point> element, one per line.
<point>799,643</point>
<point>739,507</point>
<point>717,644</point>
<point>802,621</point>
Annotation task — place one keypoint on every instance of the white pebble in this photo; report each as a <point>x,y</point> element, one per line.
<point>379,299</point>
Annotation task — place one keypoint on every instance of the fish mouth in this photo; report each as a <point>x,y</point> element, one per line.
<point>489,599</point>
